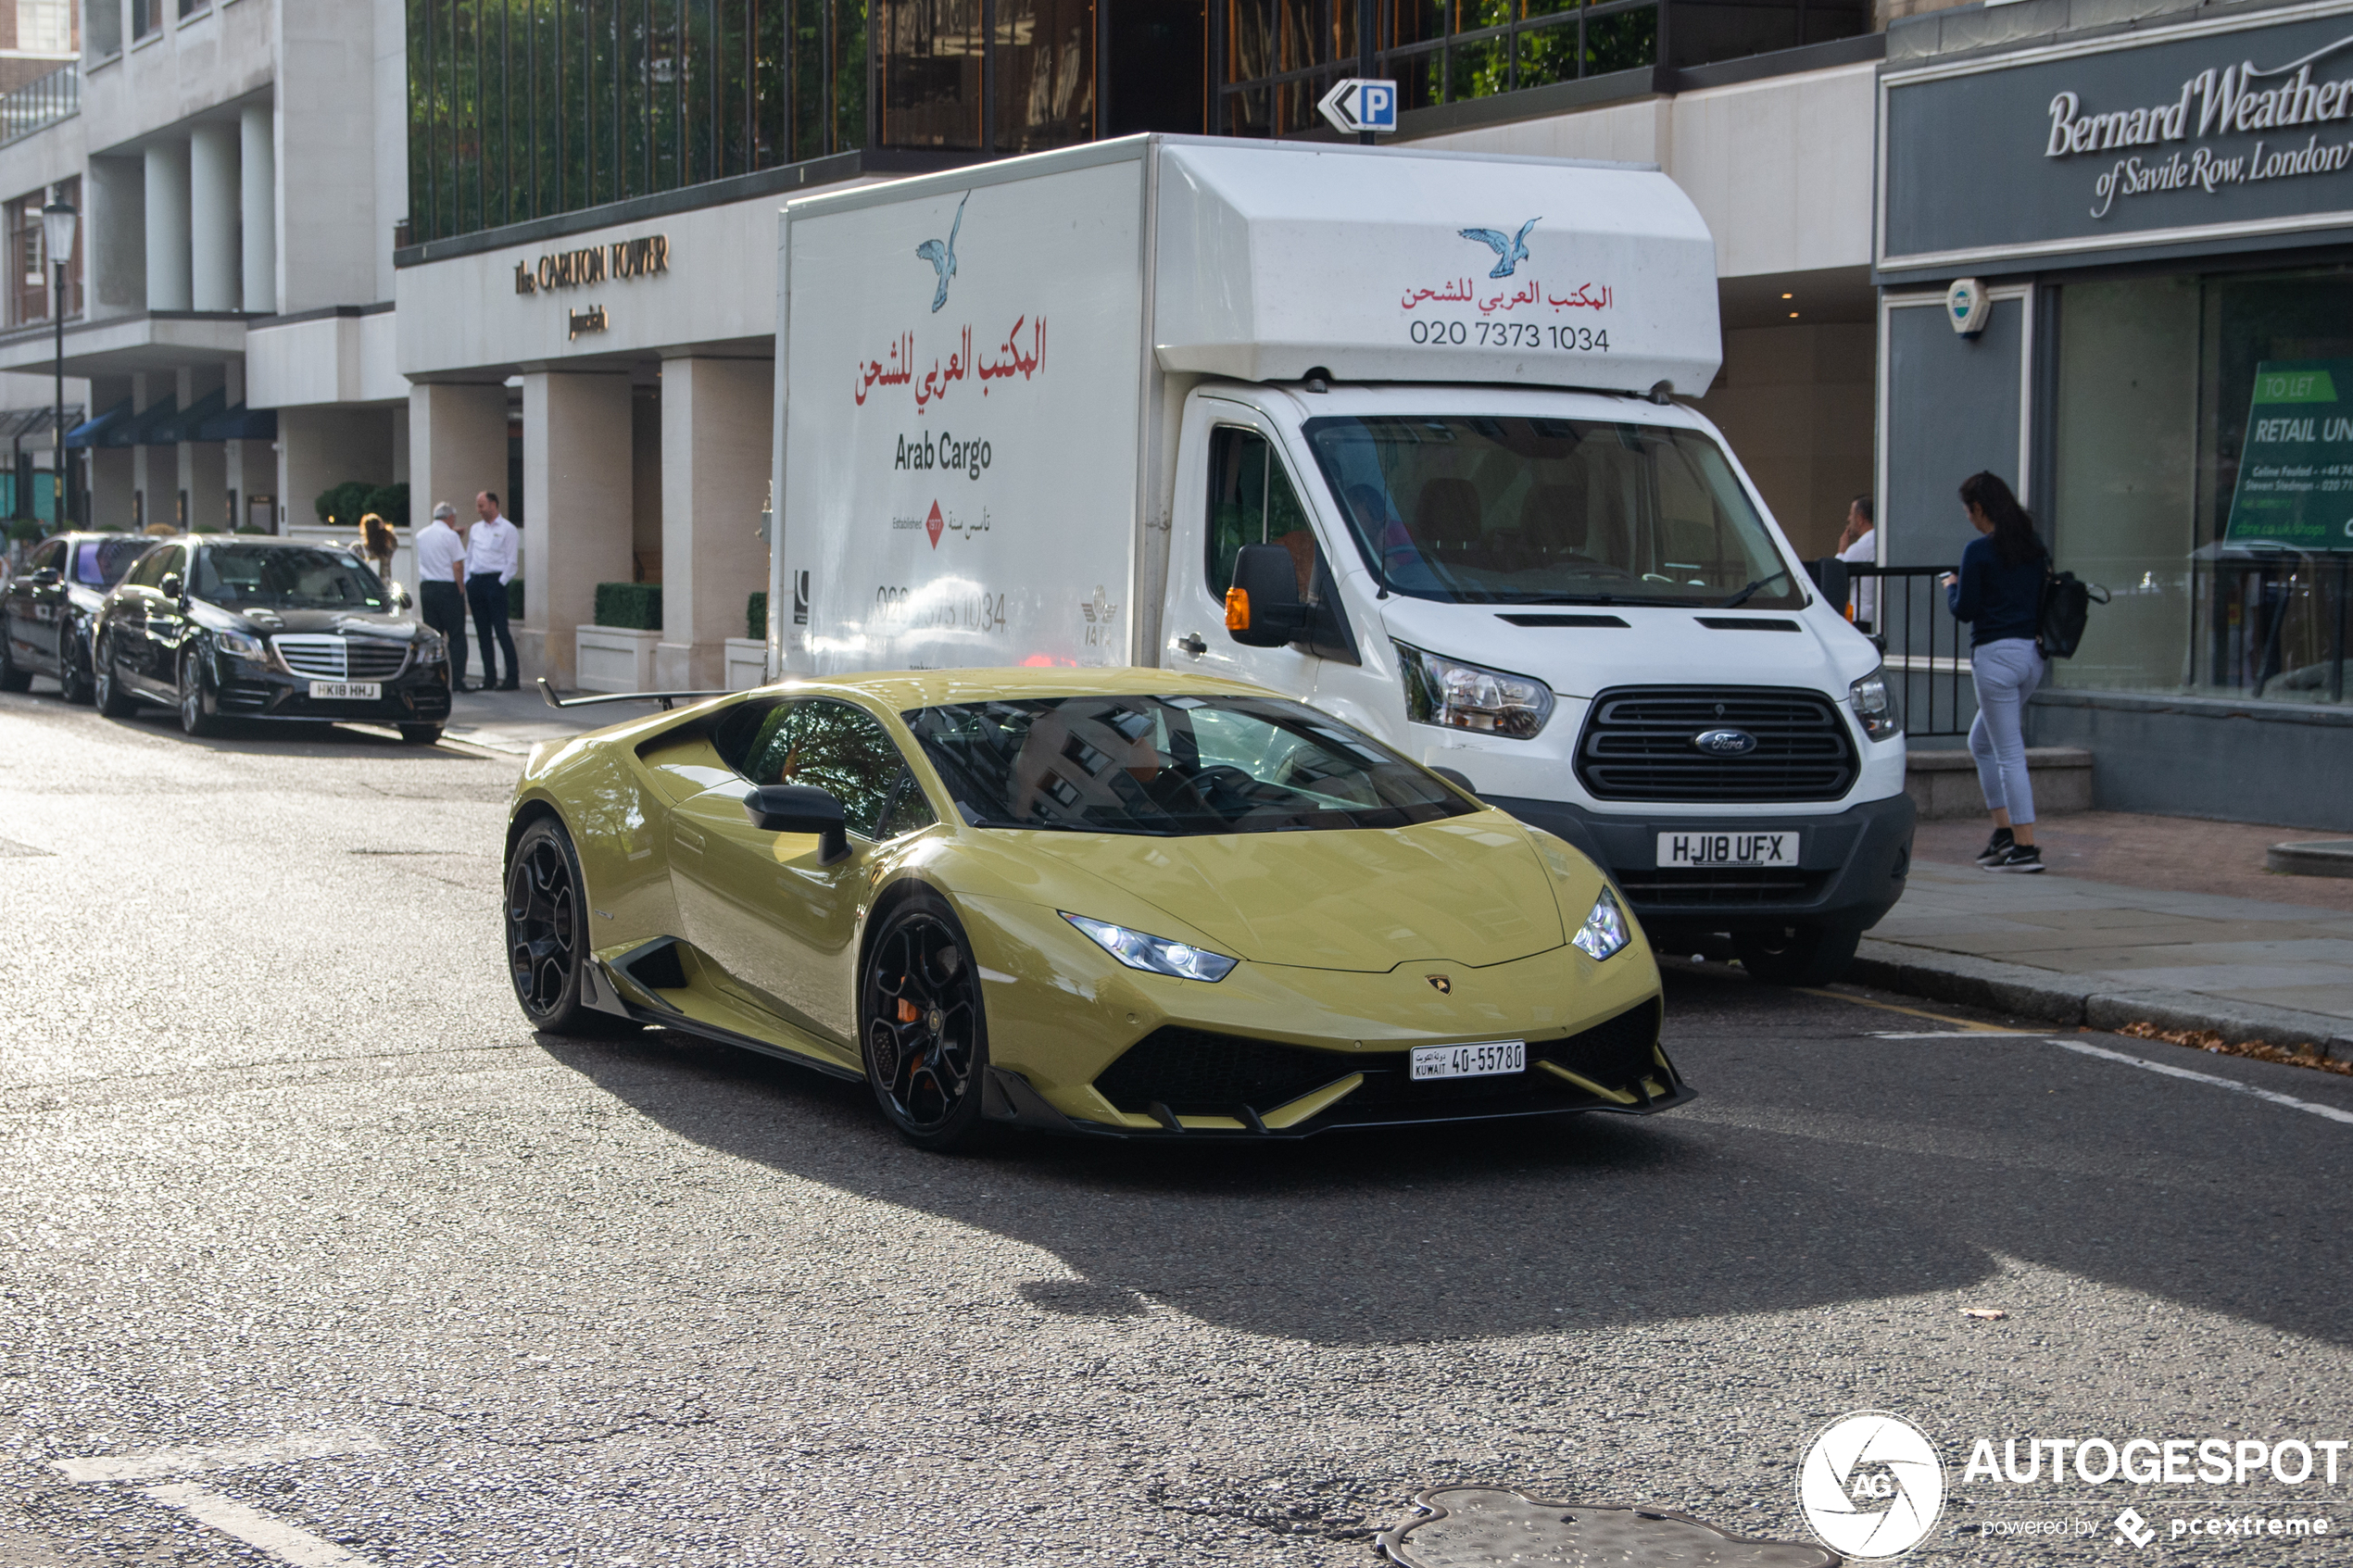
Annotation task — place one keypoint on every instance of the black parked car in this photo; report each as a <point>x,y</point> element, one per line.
<point>48,609</point>
<point>222,627</point>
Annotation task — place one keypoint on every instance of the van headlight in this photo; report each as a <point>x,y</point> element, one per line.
<point>1606,930</point>
<point>1874,706</point>
<point>1471,697</point>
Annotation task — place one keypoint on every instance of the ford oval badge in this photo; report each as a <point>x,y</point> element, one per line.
<point>1725,742</point>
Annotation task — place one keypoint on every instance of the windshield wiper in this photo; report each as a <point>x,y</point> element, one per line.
<point>1741,597</point>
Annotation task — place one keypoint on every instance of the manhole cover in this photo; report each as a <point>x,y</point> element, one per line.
<point>1482,1526</point>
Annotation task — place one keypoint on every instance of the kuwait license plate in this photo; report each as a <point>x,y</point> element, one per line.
<point>347,691</point>
<point>1728,849</point>
<point>1484,1060</point>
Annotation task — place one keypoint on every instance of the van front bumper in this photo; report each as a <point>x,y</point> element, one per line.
<point>1851,865</point>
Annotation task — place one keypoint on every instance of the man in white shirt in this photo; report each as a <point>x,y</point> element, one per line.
<point>1859,542</point>
<point>441,586</point>
<point>494,555</point>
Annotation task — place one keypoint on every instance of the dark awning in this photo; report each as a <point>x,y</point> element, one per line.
<point>137,431</point>
<point>240,423</point>
<point>182,426</point>
<point>91,432</point>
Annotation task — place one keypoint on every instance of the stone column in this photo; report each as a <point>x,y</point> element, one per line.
<point>456,446</point>
<point>714,473</point>
<point>578,532</point>
<point>217,278</point>
<point>169,286</point>
<point>257,171</point>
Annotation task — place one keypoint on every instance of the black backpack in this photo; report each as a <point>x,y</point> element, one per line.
<point>2067,606</point>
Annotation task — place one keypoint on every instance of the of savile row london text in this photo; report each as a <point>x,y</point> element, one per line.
<point>2229,100</point>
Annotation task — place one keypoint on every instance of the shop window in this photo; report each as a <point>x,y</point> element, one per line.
<point>2156,497</point>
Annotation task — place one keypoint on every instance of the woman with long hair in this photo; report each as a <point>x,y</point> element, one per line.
<point>378,542</point>
<point>2000,592</point>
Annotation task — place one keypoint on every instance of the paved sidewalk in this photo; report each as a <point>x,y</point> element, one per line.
<point>2078,950</point>
<point>515,721</point>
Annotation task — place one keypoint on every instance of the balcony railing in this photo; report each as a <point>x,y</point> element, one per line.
<point>40,103</point>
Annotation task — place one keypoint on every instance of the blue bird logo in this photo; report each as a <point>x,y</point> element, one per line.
<point>1510,249</point>
<point>942,257</point>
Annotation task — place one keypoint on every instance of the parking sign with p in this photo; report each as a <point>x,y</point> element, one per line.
<point>1361,103</point>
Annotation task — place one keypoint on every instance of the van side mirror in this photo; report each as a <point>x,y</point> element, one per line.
<point>801,809</point>
<point>1263,609</point>
<point>1831,575</point>
<point>171,587</point>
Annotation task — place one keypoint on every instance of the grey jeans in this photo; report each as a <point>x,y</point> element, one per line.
<point>2008,672</point>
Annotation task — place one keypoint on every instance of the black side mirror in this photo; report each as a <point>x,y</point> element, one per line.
<point>171,587</point>
<point>1263,609</point>
<point>45,578</point>
<point>400,599</point>
<point>1831,575</point>
<point>801,809</point>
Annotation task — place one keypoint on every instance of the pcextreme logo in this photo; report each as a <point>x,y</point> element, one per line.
<point>1871,1486</point>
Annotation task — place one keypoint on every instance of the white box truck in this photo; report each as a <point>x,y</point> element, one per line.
<point>1033,411</point>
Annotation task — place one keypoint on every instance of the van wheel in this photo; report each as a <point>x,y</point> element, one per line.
<point>1797,954</point>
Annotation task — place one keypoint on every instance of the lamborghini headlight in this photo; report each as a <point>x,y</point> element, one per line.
<point>1471,697</point>
<point>1154,955</point>
<point>1874,706</point>
<point>1606,930</point>
<point>241,645</point>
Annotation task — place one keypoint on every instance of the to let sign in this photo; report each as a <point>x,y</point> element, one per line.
<point>2296,470</point>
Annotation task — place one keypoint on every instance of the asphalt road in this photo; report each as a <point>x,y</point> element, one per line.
<point>310,1235</point>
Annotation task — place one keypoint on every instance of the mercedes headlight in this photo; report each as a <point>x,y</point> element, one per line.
<point>432,647</point>
<point>1606,930</point>
<point>1154,955</point>
<point>1874,706</point>
<point>243,645</point>
<point>1471,697</point>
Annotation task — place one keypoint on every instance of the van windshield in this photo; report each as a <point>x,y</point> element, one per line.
<point>1484,509</point>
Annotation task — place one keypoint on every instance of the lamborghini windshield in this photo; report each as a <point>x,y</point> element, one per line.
<point>1172,766</point>
<point>1519,510</point>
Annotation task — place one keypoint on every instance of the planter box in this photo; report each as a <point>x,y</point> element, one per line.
<point>614,658</point>
<point>747,663</point>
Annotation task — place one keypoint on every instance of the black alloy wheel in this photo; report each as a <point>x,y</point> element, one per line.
<point>73,676</point>
<point>194,719</point>
<point>925,1037</point>
<point>421,734</point>
<point>114,700</point>
<point>1797,954</point>
<point>13,678</point>
<point>547,936</point>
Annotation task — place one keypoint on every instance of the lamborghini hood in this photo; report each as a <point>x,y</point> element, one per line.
<point>1365,899</point>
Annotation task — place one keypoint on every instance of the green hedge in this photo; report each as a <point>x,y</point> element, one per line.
<point>355,498</point>
<point>756,617</point>
<point>636,605</point>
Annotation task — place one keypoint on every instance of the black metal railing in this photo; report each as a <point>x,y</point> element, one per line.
<point>1903,610</point>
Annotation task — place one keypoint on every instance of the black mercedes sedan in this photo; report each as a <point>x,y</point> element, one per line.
<point>48,609</point>
<point>224,627</point>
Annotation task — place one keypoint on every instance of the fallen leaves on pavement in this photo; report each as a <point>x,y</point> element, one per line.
<point>2305,1055</point>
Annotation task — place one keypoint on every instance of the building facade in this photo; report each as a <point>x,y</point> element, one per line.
<point>2159,208</point>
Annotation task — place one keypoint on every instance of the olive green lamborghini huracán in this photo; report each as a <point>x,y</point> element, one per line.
<point>1119,903</point>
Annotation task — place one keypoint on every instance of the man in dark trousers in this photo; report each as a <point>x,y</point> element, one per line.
<point>441,586</point>
<point>494,555</point>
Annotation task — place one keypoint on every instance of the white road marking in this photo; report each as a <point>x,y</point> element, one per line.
<point>287,1543</point>
<point>199,1462</point>
<point>1942,1033</point>
<point>2331,1111</point>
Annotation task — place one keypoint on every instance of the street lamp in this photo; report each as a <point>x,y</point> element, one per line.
<point>58,220</point>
